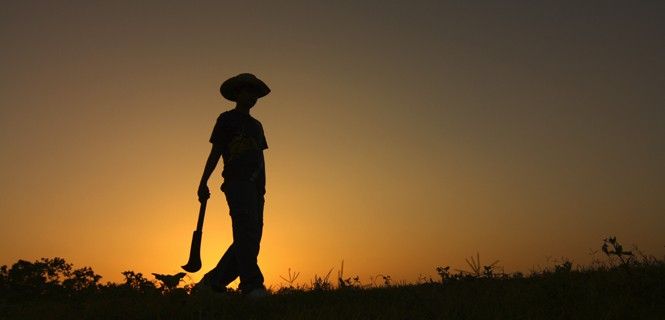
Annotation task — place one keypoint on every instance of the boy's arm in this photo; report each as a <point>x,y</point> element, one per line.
<point>211,163</point>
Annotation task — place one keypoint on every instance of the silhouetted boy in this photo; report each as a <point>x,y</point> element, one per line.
<point>238,138</point>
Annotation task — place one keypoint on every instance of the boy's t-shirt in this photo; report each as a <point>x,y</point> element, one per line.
<point>243,141</point>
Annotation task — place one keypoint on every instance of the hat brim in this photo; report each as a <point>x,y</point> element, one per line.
<point>231,87</point>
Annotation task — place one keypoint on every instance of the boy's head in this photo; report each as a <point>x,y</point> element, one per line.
<point>244,88</point>
<point>246,96</point>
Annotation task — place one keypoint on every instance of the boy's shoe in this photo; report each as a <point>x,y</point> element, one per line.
<point>206,286</point>
<point>258,293</point>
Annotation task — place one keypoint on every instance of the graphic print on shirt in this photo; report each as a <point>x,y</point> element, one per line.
<point>241,144</point>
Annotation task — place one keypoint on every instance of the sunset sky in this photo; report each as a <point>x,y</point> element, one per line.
<point>403,135</point>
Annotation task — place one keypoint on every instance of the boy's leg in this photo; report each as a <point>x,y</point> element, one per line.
<point>247,219</point>
<point>226,270</point>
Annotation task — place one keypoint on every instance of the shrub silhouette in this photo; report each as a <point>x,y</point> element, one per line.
<point>169,282</point>
<point>350,282</point>
<point>46,276</point>
<point>136,281</point>
<point>322,283</point>
<point>617,250</point>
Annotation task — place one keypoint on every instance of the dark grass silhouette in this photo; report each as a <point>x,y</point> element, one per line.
<point>624,285</point>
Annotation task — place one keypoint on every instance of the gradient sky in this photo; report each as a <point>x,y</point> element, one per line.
<point>403,135</point>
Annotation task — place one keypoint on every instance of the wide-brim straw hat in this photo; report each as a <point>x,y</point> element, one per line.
<point>232,86</point>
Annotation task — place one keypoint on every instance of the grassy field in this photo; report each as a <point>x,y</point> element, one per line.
<point>623,287</point>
